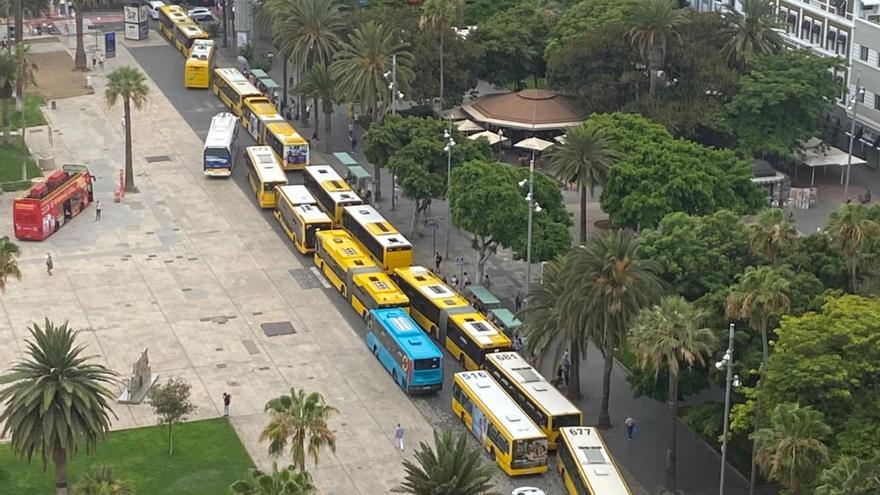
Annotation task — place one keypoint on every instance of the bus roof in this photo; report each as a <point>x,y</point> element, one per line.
<point>594,460</point>
<point>377,226</point>
<point>172,9</point>
<point>480,329</point>
<point>263,107</point>
<point>312,214</point>
<point>431,287</point>
<point>522,373</point>
<point>237,81</point>
<point>324,173</point>
<point>407,333</point>
<point>344,248</point>
<point>222,130</point>
<point>297,195</point>
<point>285,133</point>
<point>499,405</point>
<point>201,50</point>
<point>266,164</point>
<point>192,30</point>
<point>384,291</point>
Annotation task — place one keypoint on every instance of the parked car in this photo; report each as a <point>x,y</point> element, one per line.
<point>200,14</point>
<point>154,6</point>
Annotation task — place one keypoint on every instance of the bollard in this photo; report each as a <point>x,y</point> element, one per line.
<point>52,105</point>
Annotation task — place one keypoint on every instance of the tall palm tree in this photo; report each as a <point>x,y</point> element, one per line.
<point>301,420</point>
<point>751,32</point>
<point>9,253</point>
<point>450,468</point>
<point>670,334</point>
<point>287,481</point>
<point>15,72</point>
<point>318,82</point>
<point>760,294</point>
<point>850,476</point>
<point>57,401</point>
<point>130,85</point>
<point>654,26</point>
<point>360,65</point>
<point>102,482</point>
<point>584,158</point>
<point>791,449</point>
<point>608,282</point>
<point>849,227</point>
<point>79,61</point>
<point>439,16</point>
<point>771,234</point>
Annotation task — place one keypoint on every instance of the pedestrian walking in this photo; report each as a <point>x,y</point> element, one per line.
<point>398,437</point>
<point>97,210</point>
<point>101,61</point>
<point>122,123</point>
<point>467,280</point>
<point>351,129</point>
<point>630,427</point>
<point>49,264</point>
<point>517,343</point>
<point>559,380</point>
<point>396,192</point>
<point>487,283</point>
<point>354,143</point>
<point>454,280</point>
<point>517,303</point>
<point>227,398</point>
<point>94,59</point>
<point>315,135</point>
<point>437,260</point>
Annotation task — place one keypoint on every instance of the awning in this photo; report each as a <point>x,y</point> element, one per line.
<point>819,154</point>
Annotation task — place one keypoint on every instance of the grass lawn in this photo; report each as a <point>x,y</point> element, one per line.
<point>208,457</point>
<point>32,113</point>
<point>10,162</point>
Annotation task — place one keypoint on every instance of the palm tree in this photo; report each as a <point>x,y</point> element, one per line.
<point>130,85</point>
<point>669,334</point>
<point>438,16</point>
<point>102,482</point>
<point>849,226</point>
<point>760,294</point>
<point>79,6</point>
<point>451,468</point>
<point>57,401</point>
<point>655,24</point>
<point>606,286</point>
<point>751,32</point>
<point>288,481</point>
<point>9,253</point>
<point>15,71</point>
<point>583,158</point>
<point>850,476</point>
<point>301,420</point>
<point>359,68</point>
<point>319,83</point>
<point>771,233</point>
<point>791,449</point>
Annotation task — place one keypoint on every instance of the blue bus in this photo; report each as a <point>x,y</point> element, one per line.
<point>412,358</point>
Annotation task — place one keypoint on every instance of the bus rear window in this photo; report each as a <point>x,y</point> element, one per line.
<point>217,158</point>
<point>427,364</point>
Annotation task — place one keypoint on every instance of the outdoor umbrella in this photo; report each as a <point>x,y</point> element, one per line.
<point>467,126</point>
<point>489,135</point>
<point>534,144</point>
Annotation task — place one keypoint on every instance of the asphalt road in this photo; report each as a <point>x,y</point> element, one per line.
<point>197,107</point>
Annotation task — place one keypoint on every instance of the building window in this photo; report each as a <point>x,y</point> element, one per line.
<point>876,102</point>
<point>863,53</point>
<point>841,44</point>
<point>861,96</point>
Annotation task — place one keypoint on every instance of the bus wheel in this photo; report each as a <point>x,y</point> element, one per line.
<point>492,454</point>
<point>461,360</point>
<point>435,333</point>
<point>376,351</point>
<point>462,416</point>
<point>342,290</point>
<point>394,375</point>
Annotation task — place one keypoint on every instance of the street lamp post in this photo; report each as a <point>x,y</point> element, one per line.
<point>395,95</point>
<point>732,381</point>
<point>854,106</point>
<point>448,149</point>
<point>534,207</point>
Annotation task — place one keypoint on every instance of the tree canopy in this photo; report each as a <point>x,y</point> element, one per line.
<point>513,41</point>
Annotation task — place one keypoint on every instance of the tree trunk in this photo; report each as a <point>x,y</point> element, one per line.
<point>852,274</point>
<point>170,440</point>
<point>583,233</point>
<point>574,378</point>
<point>315,107</point>
<point>80,59</point>
<point>484,252</point>
<point>129,168</point>
<point>765,349</point>
<point>672,449</point>
<point>441,69</point>
<point>608,345</point>
<point>19,21</point>
<point>655,61</point>
<point>60,474</point>
<point>7,122</point>
<point>417,211</point>
<point>328,131</point>
<point>282,102</point>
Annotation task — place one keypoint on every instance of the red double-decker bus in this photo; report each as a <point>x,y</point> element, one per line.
<point>48,205</point>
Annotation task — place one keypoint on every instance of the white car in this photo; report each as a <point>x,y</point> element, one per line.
<point>154,6</point>
<point>199,14</point>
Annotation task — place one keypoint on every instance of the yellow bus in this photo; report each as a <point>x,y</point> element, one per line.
<point>585,464</point>
<point>545,405</point>
<point>264,174</point>
<point>504,430</point>
<point>377,236</point>
<point>300,217</point>
<point>186,34</point>
<point>256,114</point>
<point>200,65</point>
<point>291,149</point>
<point>454,323</point>
<point>233,88</point>
<point>363,284</point>
<point>169,15</point>
<point>330,191</point>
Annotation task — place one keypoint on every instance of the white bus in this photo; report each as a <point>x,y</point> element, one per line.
<point>221,145</point>
<point>586,465</point>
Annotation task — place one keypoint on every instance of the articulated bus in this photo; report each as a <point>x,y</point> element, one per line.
<point>545,405</point>
<point>233,88</point>
<point>186,34</point>
<point>264,174</point>
<point>291,149</point>
<point>221,145</point>
<point>330,191</point>
<point>256,113</point>
<point>169,15</point>
<point>377,236</point>
<point>413,360</point>
<point>300,217</point>
<point>353,273</point>
<point>504,430</point>
<point>465,333</point>
<point>200,65</point>
<point>585,464</point>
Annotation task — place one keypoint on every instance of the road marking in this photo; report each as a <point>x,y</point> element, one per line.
<point>320,277</point>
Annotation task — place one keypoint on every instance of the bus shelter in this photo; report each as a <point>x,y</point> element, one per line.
<point>359,178</point>
<point>482,298</point>
<point>269,87</point>
<point>345,159</point>
<point>505,319</point>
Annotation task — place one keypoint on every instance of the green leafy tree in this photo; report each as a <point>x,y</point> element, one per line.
<point>850,227</point>
<point>478,11</point>
<point>299,419</point>
<point>171,404</point>
<point>56,401</point>
<point>439,16</point>
<point>317,82</point>
<point>628,132</point>
<point>514,41</point>
<point>791,449</point>
<point>129,85</point>
<point>102,482</point>
<point>608,283</point>
<point>584,158</point>
<point>818,254</point>
<point>287,481</point>
<point>760,294</point>
<point>771,233</point>
<point>849,476</point>
<point>751,32</point>
<point>9,253</point>
<point>452,467</point>
<point>782,102</point>
<point>586,16</point>
<point>670,334</point>
<point>15,72</point>
<point>655,25</point>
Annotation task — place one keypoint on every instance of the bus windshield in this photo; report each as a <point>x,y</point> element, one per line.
<point>529,453</point>
<point>427,364</point>
<point>217,158</point>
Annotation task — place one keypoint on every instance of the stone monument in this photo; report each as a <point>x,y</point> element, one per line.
<point>136,387</point>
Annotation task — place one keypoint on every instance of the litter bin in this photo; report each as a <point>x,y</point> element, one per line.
<point>46,162</point>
